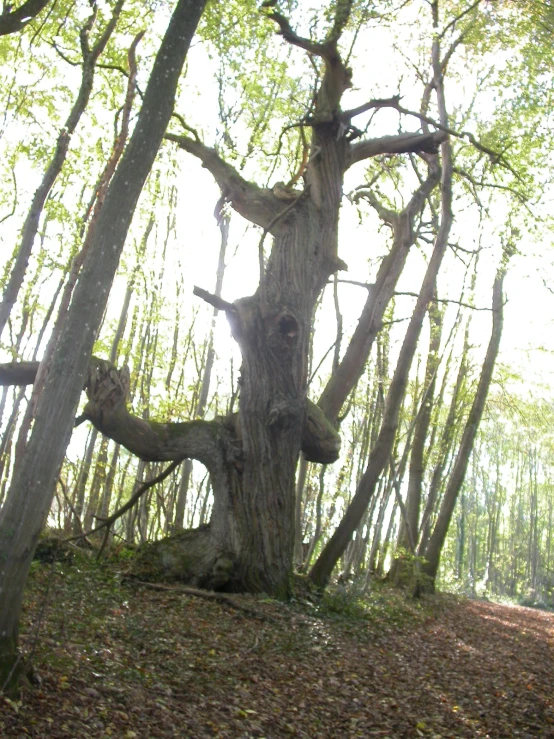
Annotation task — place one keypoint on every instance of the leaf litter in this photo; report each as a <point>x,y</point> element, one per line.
<point>117,659</point>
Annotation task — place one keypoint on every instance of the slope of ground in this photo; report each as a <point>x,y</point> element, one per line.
<point>115,659</point>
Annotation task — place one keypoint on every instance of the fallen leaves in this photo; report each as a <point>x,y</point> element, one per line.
<point>137,663</point>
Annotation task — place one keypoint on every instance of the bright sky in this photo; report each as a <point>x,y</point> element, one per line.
<point>192,254</point>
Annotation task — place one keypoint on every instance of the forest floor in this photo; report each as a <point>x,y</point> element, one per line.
<point>117,659</point>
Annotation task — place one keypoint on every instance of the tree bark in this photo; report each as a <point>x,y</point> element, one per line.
<point>12,21</point>
<point>32,488</point>
<point>436,542</point>
<point>349,371</point>
<point>337,544</point>
<point>408,532</point>
<point>251,457</point>
<point>223,223</point>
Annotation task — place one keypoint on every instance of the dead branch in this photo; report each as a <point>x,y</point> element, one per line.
<point>214,300</point>
<point>106,523</point>
<point>205,595</point>
<point>254,203</point>
<point>444,300</point>
<point>347,116</point>
<point>403,143</point>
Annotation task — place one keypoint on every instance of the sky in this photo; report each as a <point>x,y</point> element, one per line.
<point>527,343</point>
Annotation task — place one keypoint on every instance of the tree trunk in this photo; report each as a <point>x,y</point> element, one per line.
<point>402,567</point>
<point>252,457</point>
<point>436,542</point>
<point>223,221</point>
<point>335,547</point>
<point>90,57</point>
<point>32,488</point>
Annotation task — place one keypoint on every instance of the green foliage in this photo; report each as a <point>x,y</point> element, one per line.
<point>379,604</point>
<point>346,602</point>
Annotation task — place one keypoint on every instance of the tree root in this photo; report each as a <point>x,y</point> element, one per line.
<point>206,595</point>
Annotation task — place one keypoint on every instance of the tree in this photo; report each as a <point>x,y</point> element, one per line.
<point>252,459</point>
<point>251,456</point>
<point>15,19</point>
<point>432,552</point>
<point>31,491</point>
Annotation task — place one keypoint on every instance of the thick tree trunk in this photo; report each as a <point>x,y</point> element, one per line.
<point>251,458</point>
<point>273,330</point>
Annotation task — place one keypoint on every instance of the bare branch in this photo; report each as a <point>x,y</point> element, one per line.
<point>206,595</point>
<point>521,197</point>
<point>394,102</point>
<point>366,285</point>
<point>254,203</point>
<point>214,300</point>
<point>107,522</point>
<point>285,30</point>
<point>388,216</point>
<point>445,300</point>
<point>337,77</point>
<point>347,116</point>
<point>402,143</point>
<point>12,21</point>
<point>107,389</point>
<point>18,373</point>
<point>495,156</point>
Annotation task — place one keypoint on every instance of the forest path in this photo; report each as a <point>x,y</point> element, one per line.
<point>116,660</point>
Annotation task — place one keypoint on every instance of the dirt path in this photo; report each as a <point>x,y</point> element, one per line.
<point>123,661</point>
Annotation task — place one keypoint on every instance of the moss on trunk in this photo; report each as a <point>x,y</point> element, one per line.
<point>12,667</point>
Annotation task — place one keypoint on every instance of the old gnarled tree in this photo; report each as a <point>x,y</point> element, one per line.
<point>252,458</point>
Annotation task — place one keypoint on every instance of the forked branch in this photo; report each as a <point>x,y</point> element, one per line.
<point>254,203</point>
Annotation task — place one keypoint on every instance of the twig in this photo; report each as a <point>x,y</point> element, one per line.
<point>444,300</point>
<point>82,535</point>
<point>130,503</point>
<point>366,285</point>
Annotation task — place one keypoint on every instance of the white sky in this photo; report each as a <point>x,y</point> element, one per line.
<point>527,343</point>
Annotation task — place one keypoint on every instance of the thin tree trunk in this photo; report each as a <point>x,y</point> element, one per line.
<point>298,536</point>
<point>334,548</point>
<point>90,57</point>
<point>436,542</point>
<point>445,446</point>
<point>318,518</point>
<point>374,551</point>
<point>223,221</point>
<point>79,492</point>
<point>30,495</point>
<point>347,374</point>
<point>402,567</point>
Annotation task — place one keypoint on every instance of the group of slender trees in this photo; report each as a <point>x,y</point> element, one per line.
<point>318,445</point>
